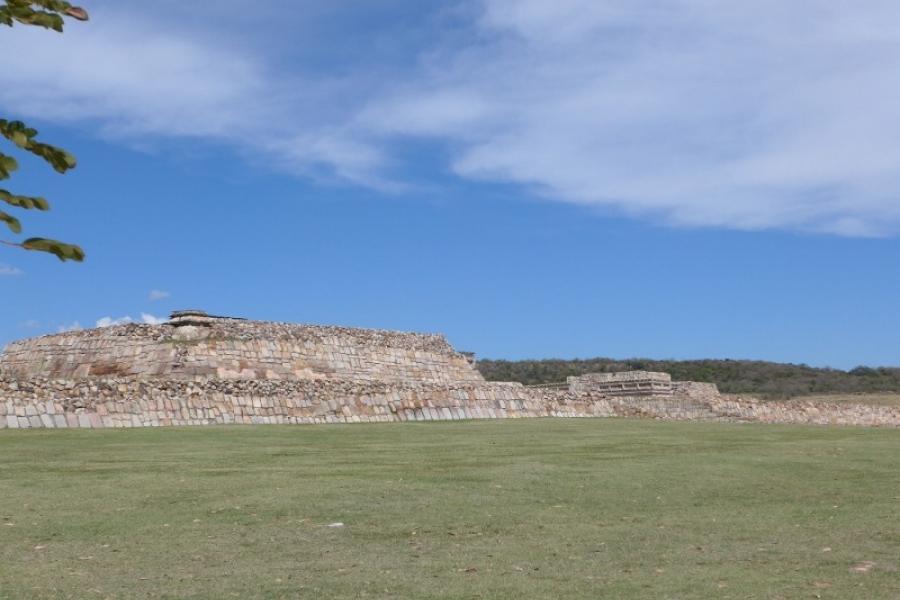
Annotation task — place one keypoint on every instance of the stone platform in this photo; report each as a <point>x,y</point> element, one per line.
<point>200,369</point>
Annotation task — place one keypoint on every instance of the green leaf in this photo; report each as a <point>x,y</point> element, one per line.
<point>68,159</point>
<point>19,139</point>
<point>26,202</point>
<point>49,14</point>
<point>23,136</point>
<point>62,250</point>
<point>13,223</point>
<point>51,17</point>
<point>7,165</point>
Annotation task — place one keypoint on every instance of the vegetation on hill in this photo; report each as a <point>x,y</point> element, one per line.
<point>732,376</point>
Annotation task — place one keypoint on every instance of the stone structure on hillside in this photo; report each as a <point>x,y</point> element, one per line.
<point>194,345</point>
<point>200,369</point>
<point>628,383</point>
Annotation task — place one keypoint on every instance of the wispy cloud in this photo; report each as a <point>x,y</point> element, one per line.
<point>686,112</point>
<point>146,319</point>
<point>110,321</point>
<point>141,80</point>
<point>158,295</point>
<point>10,271</point>
<point>30,324</point>
<point>152,320</point>
<point>131,77</point>
<point>742,115</point>
<point>74,326</point>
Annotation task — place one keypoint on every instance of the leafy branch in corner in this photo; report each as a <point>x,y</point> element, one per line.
<point>49,14</point>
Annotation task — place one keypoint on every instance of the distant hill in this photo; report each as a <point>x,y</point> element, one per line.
<point>775,380</point>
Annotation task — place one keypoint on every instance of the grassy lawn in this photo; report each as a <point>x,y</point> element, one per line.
<point>536,508</point>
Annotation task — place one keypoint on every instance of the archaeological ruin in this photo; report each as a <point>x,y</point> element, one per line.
<point>198,369</point>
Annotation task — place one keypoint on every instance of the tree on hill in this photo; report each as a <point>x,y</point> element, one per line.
<point>767,379</point>
<point>49,14</point>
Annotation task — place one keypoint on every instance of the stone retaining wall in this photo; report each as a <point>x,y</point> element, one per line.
<point>34,403</point>
<point>135,403</point>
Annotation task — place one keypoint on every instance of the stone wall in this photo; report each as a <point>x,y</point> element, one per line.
<point>696,402</point>
<point>237,349</point>
<point>136,403</point>
<point>95,403</point>
<point>696,390</point>
<point>200,370</point>
<point>625,383</point>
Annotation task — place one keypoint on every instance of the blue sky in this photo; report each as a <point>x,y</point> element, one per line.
<point>674,179</point>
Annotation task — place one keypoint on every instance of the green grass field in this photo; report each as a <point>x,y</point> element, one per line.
<point>537,508</point>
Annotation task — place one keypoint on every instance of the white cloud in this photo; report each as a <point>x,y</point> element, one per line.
<point>151,320</point>
<point>135,78</point>
<point>689,112</point>
<point>110,321</point>
<point>146,319</point>
<point>8,270</point>
<point>742,115</point>
<point>74,326</point>
<point>141,79</point>
<point>30,324</point>
<point>158,295</point>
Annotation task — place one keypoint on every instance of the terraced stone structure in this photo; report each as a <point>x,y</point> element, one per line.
<point>199,369</point>
<point>628,383</point>
<point>194,345</point>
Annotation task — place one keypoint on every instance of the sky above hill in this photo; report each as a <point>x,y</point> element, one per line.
<point>674,179</point>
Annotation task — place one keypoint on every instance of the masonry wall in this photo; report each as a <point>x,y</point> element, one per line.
<point>696,390</point>
<point>627,383</point>
<point>133,403</point>
<point>94,403</point>
<point>233,349</point>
